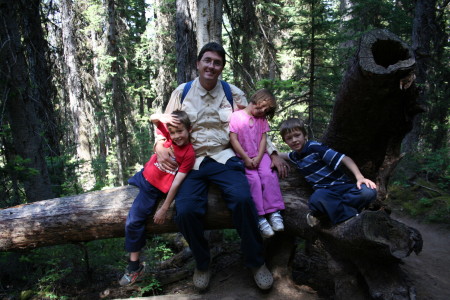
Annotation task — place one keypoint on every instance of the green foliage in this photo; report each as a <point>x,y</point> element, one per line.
<point>157,250</point>
<point>149,286</point>
<point>420,186</point>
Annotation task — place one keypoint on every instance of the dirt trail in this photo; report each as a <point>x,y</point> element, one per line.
<point>430,270</point>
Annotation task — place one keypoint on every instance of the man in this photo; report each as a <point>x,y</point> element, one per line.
<point>209,111</point>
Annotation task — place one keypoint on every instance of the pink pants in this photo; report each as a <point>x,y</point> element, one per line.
<point>265,188</point>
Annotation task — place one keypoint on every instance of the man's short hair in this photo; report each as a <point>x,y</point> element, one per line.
<point>290,125</point>
<point>215,47</point>
<point>183,117</point>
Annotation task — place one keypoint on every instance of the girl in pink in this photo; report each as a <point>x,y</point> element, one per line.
<point>248,128</point>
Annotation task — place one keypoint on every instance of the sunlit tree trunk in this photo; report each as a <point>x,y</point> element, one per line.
<point>21,100</point>
<point>79,108</point>
<point>209,22</point>
<point>165,51</point>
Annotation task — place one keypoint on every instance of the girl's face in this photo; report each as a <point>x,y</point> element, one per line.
<point>295,140</point>
<point>179,134</point>
<point>258,110</point>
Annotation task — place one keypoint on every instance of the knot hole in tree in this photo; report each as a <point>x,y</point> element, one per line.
<point>389,52</point>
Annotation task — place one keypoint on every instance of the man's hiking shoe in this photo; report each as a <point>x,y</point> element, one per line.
<point>263,277</point>
<point>265,228</point>
<point>131,277</point>
<point>201,279</point>
<point>311,220</point>
<point>276,220</point>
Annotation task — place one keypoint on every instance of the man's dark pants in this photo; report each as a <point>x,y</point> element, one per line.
<point>191,202</point>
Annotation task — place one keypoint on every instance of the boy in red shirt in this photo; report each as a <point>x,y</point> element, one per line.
<point>153,182</point>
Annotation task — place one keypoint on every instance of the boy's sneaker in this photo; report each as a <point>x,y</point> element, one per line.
<point>276,220</point>
<point>131,277</point>
<point>265,228</point>
<point>311,220</point>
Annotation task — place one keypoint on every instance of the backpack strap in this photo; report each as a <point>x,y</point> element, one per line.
<point>226,88</point>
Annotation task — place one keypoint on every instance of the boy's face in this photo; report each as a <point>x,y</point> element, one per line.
<point>179,134</point>
<point>295,140</point>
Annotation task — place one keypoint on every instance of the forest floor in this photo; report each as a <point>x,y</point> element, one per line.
<point>429,271</point>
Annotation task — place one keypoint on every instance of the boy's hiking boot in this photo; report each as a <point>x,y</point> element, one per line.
<point>265,228</point>
<point>201,279</point>
<point>131,277</point>
<point>276,220</point>
<point>311,220</point>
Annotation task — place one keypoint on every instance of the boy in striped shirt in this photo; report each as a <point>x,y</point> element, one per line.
<point>335,195</point>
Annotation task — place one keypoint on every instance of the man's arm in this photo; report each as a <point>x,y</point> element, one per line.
<point>360,179</point>
<point>160,215</point>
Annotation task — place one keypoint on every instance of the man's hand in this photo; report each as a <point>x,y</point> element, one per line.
<point>165,157</point>
<point>280,164</point>
<point>166,118</point>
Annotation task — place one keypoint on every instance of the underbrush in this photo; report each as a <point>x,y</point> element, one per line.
<point>420,187</point>
<point>77,271</point>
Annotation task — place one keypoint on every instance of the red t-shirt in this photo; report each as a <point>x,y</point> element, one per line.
<point>184,156</point>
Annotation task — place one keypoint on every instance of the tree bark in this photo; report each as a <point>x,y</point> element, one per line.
<point>209,22</point>
<point>165,52</point>
<point>119,100</point>
<point>21,101</point>
<point>374,109</point>
<point>78,106</point>
<point>186,42</point>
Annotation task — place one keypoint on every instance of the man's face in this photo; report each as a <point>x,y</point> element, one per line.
<point>210,66</point>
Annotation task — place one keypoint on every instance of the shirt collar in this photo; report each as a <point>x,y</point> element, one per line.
<point>214,92</point>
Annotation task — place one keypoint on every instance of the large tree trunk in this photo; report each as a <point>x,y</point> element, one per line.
<point>186,42</point>
<point>78,106</point>
<point>375,106</point>
<point>119,100</point>
<point>209,22</point>
<point>21,101</point>
<point>165,52</point>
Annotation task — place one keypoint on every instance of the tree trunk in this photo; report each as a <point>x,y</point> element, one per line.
<point>119,101</point>
<point>186,42</point>
<point>209,22</point>
<point>165,52</point>
<point>374,109</point>
<point>78,110</point>
<point>22,101</point>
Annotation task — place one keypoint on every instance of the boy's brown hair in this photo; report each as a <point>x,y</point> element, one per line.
<point>290,125</point>
<point>264,95</point>
<point>183,117</point>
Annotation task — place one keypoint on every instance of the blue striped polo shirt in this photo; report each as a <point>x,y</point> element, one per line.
<point>319,165</point>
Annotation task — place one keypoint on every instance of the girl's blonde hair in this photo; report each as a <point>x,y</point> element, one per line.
<point>264,95</point>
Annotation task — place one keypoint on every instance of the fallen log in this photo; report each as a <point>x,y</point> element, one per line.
<point>102,214</point>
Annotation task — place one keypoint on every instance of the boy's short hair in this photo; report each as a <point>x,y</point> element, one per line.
<point>263,95</point>
<point>290,125</point>
<point>214,47</point>
<point>183,117</point>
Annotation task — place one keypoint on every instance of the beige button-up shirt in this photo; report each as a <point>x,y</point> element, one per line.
<point>209,112</point>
